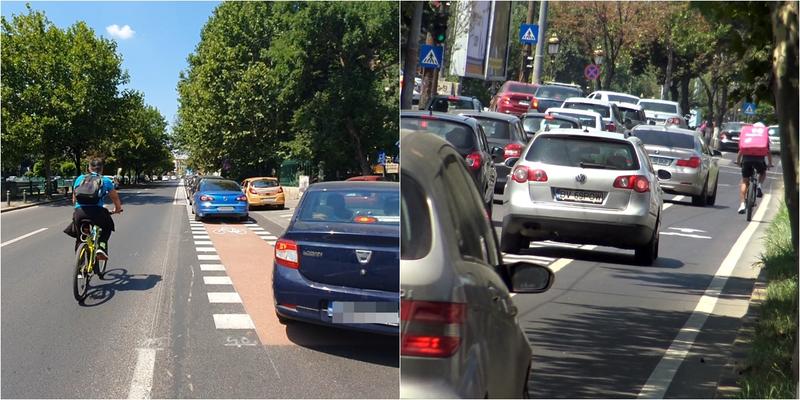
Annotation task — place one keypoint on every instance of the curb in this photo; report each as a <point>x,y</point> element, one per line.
<point>31,205</point>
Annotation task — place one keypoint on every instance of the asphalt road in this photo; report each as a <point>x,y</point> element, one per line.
<point>162,323</point>
<point>608,326</point>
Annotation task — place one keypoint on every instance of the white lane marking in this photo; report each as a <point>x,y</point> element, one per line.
<point>562,262</point>
<point>270,237</point>
<point>207,257</point>
<point>224,297</point>
<point>258,228</point>
<point>666,205</point>
<point>687,230</point>
<point>233,321</point>
<point>661,377</point>
<point>217,280</point>
<point>201,236</point>
<point>212,267</point>
<point>23,237</point>
<point>142,381</point>
<point>179,198</point>
<point>271,243</point>
<point>286,216</point>
<point>688,235</point>
<point>203,243</point>
<point>263,233</point>
<point>205,249</point>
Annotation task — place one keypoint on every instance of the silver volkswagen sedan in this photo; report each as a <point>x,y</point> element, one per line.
<point>683,162</point>
<point>587,188</point>
<point>458,323</point>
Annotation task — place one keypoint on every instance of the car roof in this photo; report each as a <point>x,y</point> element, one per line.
<point>436,115</point>
<point>269,178</point>
<point>416,154</point>
<point>630,105</point>
<point>591,133</point>
<point>450,96</point>
<point>485,114</point>
<point>611,92</point>
<point>587,100</point>
<point>659,101</point>
<point>664,128</point>
<point>573,111</point>
<point>353,185</point>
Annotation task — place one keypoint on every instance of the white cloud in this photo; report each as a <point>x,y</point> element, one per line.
<point>118,32</point>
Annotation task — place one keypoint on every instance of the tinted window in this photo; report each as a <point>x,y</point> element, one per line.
<point>561,123</point>
<point>347,205</point>
<point>586,120</point>
<point>598,108</point>
<point>465,210</point>
<point>622,99</point>
<point>774,131</point>
<point>442,104</point>
<point>415,230</point>
<point>520,88</point>
<point>495,129</point>
<point>659,107</point>
<point>574,151</point>
<point>665,139</point>
<point>219,184</point>
<point>263,184</point>
<point>557,92</point>
<point>459,135</point>
<point>630,113</point>
<point>531,124</point>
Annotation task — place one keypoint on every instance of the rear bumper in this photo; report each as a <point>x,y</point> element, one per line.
<point>311,300</point>
<point>278,199</point>
<point>502,177</point>
<point>626,233</point>
<point>207,210</point>
<point>510,109</point>
<point>681,182</point>
<point>727,144</point>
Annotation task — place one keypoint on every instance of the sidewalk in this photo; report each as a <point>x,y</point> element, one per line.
<point>18,204</point>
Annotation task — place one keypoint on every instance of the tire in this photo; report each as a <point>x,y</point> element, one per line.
<point>197,217</point>
<point>511,243</point>
<point>700,200</point>
<point>80,285</point>
<point>489,210</point>
<point>245,218</point>
<point>283,320</point>
<point>750,201</point>
<point>713,198</point>
<point>647,254</point>
<point>100,268</point>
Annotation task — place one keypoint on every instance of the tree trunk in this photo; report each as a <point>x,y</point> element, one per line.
<point>722,103</point>
<point>668,74</point>
<point>362,160</point>
<point>412,54</point>
<point>684,102</point>
<point>47,174</point>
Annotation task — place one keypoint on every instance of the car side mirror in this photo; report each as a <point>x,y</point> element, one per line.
<point>628,123</point>
<point>509,162</point>
<point>529,135</point>
<point>530,278</point>
<point>716,153</point>
<point>497,153</point>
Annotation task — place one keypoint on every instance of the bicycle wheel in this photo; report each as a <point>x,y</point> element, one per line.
<point>750,200</point>
<point>80,283</point>
<point>100,268</point>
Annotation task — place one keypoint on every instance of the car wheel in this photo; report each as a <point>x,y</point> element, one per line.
<point>283,320</point>
<point>700,200</point>
<point>198,217</point>
<point>244,218</point>
<point>713,198</point>
<point>645,255</point>
<point>489,210</point>
<point>511,242</point>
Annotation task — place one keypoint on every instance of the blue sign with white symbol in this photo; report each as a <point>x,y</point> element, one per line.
<point>431,56</point>
<point>382,158</point>
<point>528,33</point>
<point>749,108</point>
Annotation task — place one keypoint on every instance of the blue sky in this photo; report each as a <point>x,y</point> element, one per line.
<point>163,34</point>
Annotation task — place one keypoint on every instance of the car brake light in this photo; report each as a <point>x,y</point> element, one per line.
<point>611,127</point>
<point>693,162</point>
<point>535,103</point>
<point>206,198</point>
<point>512,150</point>
<point>251,190</point>
<point>522,174</point>
<point>505,100</point>
<point>723,135</point>
<point>364,219</point>
<point>474,161</point>
<point>286,254</point>
<point>454,98</point>
<point>433,329</point>
<point>549,117</point>
<point>638,183</point>
<point>241,197</point>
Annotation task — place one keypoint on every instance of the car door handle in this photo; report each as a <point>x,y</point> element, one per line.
<point>494,293</point>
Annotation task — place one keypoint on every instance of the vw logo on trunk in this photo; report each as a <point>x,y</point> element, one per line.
<point>581,178</point>
<point>363,256</point>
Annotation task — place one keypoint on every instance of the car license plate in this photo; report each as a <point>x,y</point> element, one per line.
<point>661,160</point>
<point>524,103</point>
<point>224,208</point>
<point>345,312</point>
<point>579,196</point>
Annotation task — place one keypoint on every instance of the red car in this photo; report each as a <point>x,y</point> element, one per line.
<point>366,178</point>
<point>513,98</point>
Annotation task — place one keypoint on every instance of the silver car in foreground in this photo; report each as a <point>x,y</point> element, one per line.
<point>584,187</point>
<point>458,323</point>
<point>683,162</point>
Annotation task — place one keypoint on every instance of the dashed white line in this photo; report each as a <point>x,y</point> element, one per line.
<point>666,205</point>
<point>203,243</point>
<point>207,257</point>
<point>23,237</point>
<point>263,233</point>
<point>224,297</point>
<point>233,321</point>
<point>212,267</point>
<point>142,381</point>
<point>201,237</point>
<point>217,280</point>
<point>270,237</point>
<point>205,249</point>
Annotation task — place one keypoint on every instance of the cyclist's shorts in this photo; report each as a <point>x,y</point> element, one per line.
<point>756,163</point>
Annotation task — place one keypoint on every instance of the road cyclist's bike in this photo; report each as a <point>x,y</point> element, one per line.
<point>86,262</point>
<point>750,196</point>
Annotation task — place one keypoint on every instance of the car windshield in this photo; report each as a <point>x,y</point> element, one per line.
<point>666,139</point>
<point>557,92</point>
<point>774,131</point>
<point>264,183</point>
<point>219,185</point>
<point>356,206</point>
<point>587,121</point>
<point>459,135</point>
<point>520,88</point>
<point>659,107</point>
<point>495,129</point>
<point>631,113</point>
<point>442,104</point>
<point>532,124</point>
<point>598,108</point>
<point>622,99</point>
<point>572,151</point>
<point>567,124</point>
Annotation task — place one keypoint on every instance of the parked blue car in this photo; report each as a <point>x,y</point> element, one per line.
<point>338,263</point>
<point>219,198</point>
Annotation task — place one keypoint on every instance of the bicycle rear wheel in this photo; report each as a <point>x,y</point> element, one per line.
<point>80,283</point>
<point>750,201</point>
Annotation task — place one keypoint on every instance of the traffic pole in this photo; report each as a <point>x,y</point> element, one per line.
<point>524,71</point>
<point>428,89</point>
<point>537,59</point>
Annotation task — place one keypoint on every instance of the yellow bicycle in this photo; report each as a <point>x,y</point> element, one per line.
<point>86,263</point>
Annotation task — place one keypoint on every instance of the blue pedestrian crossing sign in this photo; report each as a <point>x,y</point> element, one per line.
<point>382,158</point>
<point>749,108</point>
<point>528,33</point>
<point>431,56</point>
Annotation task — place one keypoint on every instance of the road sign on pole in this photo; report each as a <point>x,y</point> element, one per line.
<point>431,56</point>
<point>591,72</point>
<point>528,33</point>
<point>749,108</point>
<point>382,158</point>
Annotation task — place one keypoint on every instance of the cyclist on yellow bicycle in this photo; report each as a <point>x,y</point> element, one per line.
<point>88,195</point>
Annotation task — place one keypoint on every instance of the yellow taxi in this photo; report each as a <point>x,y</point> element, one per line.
<point>264,191</point>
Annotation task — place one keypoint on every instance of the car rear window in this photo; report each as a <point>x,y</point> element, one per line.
<point>622,99</point>
<point>571,151</point>
<point>415,231</point>
<point>732,126</point>
<point>561,123</point>
<point>443,104</point>
<point>598,108</point>
<point>264,184</point>
<point>495,129</point>
<point>586,120</point>
<point>532,124</point>
<point>459,135</point>
<point>356,206</point>
<point>774,131</point>
<point>666,139</point>
<point>520,88</point>
<point>631,113</point>
<point>659,107</point>
<point>219,184</point>
<point>557,92</point>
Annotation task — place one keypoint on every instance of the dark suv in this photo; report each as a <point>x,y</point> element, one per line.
<point>445,103</point>
<point>468,138</point>
<point>553,95</point>
<point>729,135</point>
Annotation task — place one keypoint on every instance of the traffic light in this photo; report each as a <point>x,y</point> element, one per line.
<point>439,30</point>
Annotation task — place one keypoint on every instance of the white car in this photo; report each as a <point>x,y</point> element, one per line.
<point>589,119</point>
<point>613,97</point>
<point>612,118</point>
<point>659,111</point>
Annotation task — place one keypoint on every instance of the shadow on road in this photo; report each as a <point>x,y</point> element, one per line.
<point>600,256</point>
<point>366,347</point>
<point>117,280</point>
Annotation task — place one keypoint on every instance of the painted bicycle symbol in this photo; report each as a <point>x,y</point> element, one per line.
<point>229,230</point>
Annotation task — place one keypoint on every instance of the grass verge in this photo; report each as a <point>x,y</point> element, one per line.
<point>768,374</point>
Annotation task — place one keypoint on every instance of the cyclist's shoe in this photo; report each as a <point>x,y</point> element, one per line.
<point>741,208</point>
<point>759,193</point>
<point>101,253</point>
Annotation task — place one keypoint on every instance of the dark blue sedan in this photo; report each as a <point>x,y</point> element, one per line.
<point>220,198</point>
<point>338,263</point>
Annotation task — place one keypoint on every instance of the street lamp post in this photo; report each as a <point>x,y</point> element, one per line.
<point>598,59</point>
<point>552,49</point>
